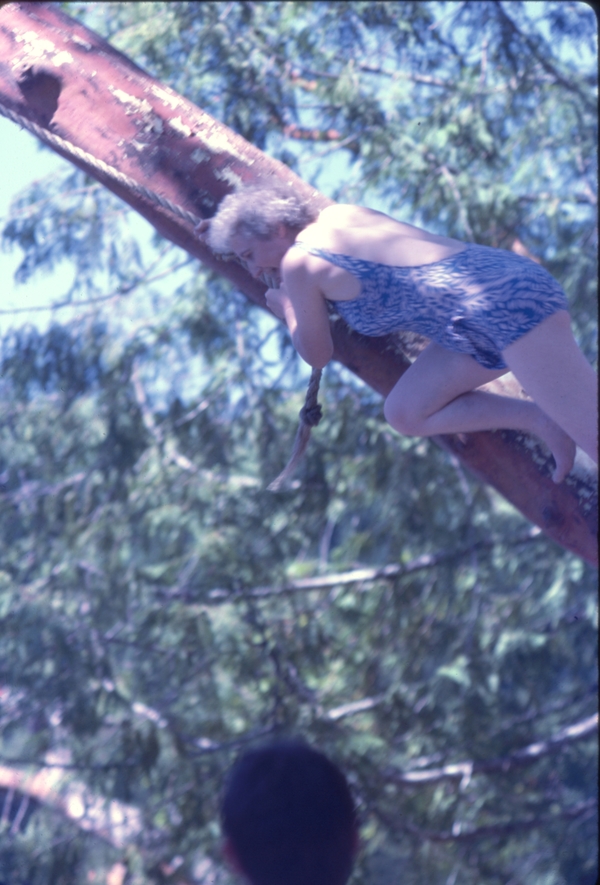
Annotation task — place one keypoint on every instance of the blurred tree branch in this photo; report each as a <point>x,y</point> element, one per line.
<point>362,575</point>
<point>525,756</point>
<point>469,834</point>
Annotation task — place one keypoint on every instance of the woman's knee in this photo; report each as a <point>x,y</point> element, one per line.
<point>402,417</point>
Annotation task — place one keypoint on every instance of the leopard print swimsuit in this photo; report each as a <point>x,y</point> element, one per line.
<point>478,301</point>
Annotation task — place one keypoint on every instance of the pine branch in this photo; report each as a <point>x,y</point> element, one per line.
<point>546,65</point>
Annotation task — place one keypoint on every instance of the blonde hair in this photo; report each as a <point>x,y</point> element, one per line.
<point>257,210</point>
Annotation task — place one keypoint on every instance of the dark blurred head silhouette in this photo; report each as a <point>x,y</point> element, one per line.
<point>288,817</point>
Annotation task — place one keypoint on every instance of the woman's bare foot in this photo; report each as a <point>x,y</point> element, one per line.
<point>560,444</point>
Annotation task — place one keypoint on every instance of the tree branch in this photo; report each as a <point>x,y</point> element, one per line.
<point>537,714</point>
<point>33,489</point>
<point>460,834</point>
<point>524,756</point>
<point>119,292</point>
<point>112,821</point>
<point>310,85</point>
<point>353,708</point>
<point>386,572</point>
<point>547,66</point>
<point>303,134</point>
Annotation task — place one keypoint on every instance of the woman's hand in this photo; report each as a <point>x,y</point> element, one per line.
<point>201,230</point>
<point>278,301</point>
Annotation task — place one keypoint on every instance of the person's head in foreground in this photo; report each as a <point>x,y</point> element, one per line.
<point>288,817</point>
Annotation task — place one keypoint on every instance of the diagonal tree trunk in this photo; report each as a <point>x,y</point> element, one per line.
<point>59,74</point>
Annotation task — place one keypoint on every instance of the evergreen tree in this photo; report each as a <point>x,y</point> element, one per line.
<point>160,610</point>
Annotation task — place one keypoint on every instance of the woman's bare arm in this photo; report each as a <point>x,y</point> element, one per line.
<point>305,312</point>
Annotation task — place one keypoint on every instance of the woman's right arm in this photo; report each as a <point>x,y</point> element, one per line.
<point>305,312</point>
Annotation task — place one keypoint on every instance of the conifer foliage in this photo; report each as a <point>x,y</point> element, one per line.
<point>160,609</point>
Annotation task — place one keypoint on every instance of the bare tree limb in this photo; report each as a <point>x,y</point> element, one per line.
<point>358,576</point>
<point>458,833</point>
<point>119,292</point>
<point>29,491</point>
<point>538,714</point>
<point>112,821</point>
<point>524,756</point>
<point>353,707</point>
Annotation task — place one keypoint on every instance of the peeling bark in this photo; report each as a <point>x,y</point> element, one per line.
<point>63,76</point>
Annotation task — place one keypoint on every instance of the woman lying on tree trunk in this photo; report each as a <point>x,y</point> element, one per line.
<point>486,312</point>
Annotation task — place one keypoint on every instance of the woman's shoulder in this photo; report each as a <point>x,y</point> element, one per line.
<point>347,213</point>
<point>331,228</point>
<point>348,222</point>
<point>375,236</point>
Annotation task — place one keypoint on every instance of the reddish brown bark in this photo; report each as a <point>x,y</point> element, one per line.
<point>63,76</point>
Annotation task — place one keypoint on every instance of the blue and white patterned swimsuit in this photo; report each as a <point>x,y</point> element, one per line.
<point>477,301</point>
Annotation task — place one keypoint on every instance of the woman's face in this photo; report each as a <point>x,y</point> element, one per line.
<point>263,257</point>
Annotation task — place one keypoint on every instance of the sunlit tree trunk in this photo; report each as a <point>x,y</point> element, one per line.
<point>63,76</point>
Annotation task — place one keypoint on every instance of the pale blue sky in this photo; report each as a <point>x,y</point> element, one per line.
<point>22,162</point>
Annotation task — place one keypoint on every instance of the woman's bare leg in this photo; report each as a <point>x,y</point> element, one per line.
<point>555,373</point>
<point>437,395</point>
